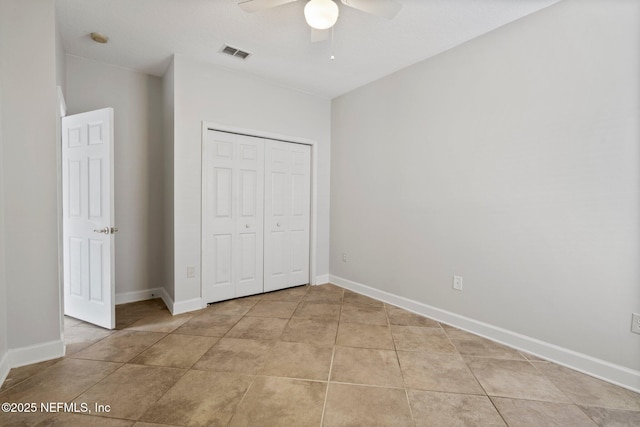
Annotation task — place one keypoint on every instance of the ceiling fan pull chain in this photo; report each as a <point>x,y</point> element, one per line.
<point>333,57</point>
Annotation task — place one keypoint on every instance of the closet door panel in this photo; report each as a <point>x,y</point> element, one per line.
<point>256,213</point>
<point>249,221</point>
<point>232,216</point>
<point>287,204</point>
<point>300,214</point>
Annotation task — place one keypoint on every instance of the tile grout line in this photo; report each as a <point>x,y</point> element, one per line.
<point>333,353</point>
<point>255,377</point>
<point>326,393</point>
<point>395,347</point>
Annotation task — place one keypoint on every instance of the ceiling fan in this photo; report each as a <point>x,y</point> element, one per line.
<point>323,14</point>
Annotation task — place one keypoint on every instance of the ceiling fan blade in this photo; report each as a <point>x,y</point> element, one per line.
<point>319,35</point>
<point>384,8</point>
<point>256,5</point>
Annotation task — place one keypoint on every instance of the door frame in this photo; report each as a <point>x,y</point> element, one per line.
<point>313,212</point>
<point>61,111</point>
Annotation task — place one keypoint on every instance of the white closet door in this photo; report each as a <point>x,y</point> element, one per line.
<point>287,207</point>
<point>233,195</point>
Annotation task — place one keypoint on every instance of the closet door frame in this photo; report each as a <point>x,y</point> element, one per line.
<point>313,229</point>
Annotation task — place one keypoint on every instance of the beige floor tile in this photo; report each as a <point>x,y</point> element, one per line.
<point>437,372</point>
<point>365,336</point>
<point>127,314</point>
<point>291,358</point>
<point>61,382</point>
<point>328,294</point>
<point>481,347</point>
<point>366,366</point>
<point>516,379</point>
<point>298,360</point>
<point>208,323</point>
<point>281,402</point>
<point>432,408</point>
<point>280,309</point>
<point>70,321</point>
<point>317,332</point>
<point>234,307</point>
<point>141,307</point>
<point>317,311</point>
<point>122,346</point>
<point>160,321</point>
<point>612,417</point>
<point>131,390</point>
<point>143,424</point>
<point>328,287</point>
<point>235,355</point>
<point>17,375</point>
<point>200,398</point>
<point>415,338</point>
<point>527,413</point>
<point>588,391</point>
<point>353,405</point>
<point>84,420</point>
<point>291,294</point>
<point>353,313</point>
<point>459,334</point>
<point>398,316</point>
<point>78,337</point>
<point>356,298</point>
<point>176,351</point>
<point>531,357</point>
<point>260,328</point>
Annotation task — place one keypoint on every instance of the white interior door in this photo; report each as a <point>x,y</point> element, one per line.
<point>88,217</point>
<point>287,209</point>
<point>232,216</point>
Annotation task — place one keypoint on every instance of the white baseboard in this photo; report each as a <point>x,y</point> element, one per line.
<point>187,306</point>
<point>168,301</point>
<point>127,297</point>
<point>174,307</point>
<point>610,372</point>
<point>35,353</point>
<point>180,306</point>
<point>4,367</point>
<point>322,279</point>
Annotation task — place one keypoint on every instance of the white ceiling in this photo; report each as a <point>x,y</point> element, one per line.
<point>143,34</point>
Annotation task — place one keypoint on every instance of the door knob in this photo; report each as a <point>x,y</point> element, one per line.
<point>247,226</point>
<point>114,230</point>
<point>102,230</point>
<point>278,225</point>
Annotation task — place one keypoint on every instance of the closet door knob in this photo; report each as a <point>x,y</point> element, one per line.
<point>247,226</point>
<point>278,225</point>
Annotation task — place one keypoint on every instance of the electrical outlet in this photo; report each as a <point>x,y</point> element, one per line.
<point>457,283</point>
<point>344,257</point>
<point>635,323</point>
<point>191,272</point>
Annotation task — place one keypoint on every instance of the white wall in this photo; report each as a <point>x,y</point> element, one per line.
<point>4,360</point>
<point>139,204</point>
<point>61,62</point>
<point>513,161</point>
<point>207,93</point>
<point>168,139</point>
<point>29,169</point>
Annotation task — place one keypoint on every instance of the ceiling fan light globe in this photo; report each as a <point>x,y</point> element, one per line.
<point>321,14</point>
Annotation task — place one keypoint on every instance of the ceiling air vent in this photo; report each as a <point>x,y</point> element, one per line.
<point>235,52</point>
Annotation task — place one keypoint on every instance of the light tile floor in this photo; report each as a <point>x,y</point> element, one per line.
<point>307,356</point>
